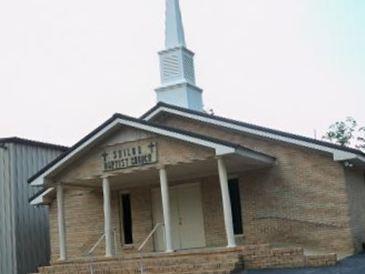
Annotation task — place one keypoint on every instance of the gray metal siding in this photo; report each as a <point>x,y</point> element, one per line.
<point>32,225</point>
<point>7,246</point>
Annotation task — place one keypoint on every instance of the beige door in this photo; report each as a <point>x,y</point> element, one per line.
<point>186,217</point>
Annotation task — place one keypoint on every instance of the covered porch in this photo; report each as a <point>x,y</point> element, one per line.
<point>129,178</point>
<point>165,208</point>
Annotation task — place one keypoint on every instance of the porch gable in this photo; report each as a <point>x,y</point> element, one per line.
<point>84,160</point>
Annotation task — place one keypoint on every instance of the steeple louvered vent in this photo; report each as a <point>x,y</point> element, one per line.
<point>170,68</point>
<point>189,73</point>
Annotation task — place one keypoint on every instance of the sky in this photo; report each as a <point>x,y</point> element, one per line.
<point>67,66</point>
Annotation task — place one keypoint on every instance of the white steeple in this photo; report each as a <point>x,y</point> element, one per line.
<point>177,65</point>
<point>175,36</point>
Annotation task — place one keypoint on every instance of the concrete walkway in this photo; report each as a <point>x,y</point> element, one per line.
<point>351,265</point>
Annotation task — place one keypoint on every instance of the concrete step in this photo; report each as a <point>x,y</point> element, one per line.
<point>212,261</point>
<point>156,269</point>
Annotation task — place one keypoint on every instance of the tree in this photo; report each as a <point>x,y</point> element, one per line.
<point>361,139</point>
<point>342,132</point>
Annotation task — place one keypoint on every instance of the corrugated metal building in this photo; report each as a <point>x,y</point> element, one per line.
<point>24,230</point>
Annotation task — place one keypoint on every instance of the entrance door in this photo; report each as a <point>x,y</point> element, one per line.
<point>186,217</point>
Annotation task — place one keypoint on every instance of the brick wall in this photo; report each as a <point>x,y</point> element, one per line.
<point>84,221</point>
<point>356,191</point>
<point>302,200</point>
<point>215,234</point>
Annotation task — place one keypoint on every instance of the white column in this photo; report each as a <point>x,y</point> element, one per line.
<point>166,208</point>
<point>226,201</point>
<point>107,218</point>
<point>61,222</point>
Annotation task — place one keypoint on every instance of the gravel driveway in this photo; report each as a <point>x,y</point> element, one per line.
<point>351,265</point>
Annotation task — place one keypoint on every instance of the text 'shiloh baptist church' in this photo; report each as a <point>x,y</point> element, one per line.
<point>182,191</point>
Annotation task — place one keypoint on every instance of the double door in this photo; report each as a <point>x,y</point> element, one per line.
<point>186,217</point>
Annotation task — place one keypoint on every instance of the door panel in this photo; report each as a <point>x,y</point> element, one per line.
<point>174,210</point>
<point>191,217</point>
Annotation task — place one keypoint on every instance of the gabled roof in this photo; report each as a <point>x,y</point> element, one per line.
<point>255,130</point>
<point>22,141</point>
<point>221,147</point>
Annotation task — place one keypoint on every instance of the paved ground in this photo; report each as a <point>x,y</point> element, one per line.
<point>352,265</point>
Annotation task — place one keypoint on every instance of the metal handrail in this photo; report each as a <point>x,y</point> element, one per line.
<point>140,249</point>
<point>149,237</point>
<point>91,251</point>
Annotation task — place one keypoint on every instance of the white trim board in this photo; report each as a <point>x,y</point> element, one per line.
<point>39,200</point>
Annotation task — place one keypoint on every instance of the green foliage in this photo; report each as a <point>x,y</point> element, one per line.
<point>361,139</point>
<point>342,132</point>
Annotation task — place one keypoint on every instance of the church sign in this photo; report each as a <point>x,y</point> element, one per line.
<point>131,155</point>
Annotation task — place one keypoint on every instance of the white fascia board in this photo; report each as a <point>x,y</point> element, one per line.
<point>343,156</point>
<point>265,159</point>
<point>348,156</point>
<point>224,150</point>
<point>38,182</point>
<point>219,148</point>
<point>39,200</point>
<point>336,152</point>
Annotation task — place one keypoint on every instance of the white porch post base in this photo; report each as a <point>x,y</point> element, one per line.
<point>226,201</point>
<point>166,208</point>
<point>107,218</point>
<point>61,222</point>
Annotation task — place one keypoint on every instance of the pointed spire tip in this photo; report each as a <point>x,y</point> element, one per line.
<point>175,36</point>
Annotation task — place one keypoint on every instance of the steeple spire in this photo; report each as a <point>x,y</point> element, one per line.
<point>175,36</point>
<point>177,65</point>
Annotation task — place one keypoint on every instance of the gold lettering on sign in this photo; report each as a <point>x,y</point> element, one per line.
<point>127,156</point>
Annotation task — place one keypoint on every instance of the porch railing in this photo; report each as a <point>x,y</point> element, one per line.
<point>91,251</point>
<point>141,247</point>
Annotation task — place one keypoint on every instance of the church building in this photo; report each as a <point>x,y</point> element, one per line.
<point>179,190</point>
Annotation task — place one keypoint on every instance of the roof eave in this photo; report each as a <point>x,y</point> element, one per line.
<point>40,198</point>
<point>18,140</point>
<point>333,149</point>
